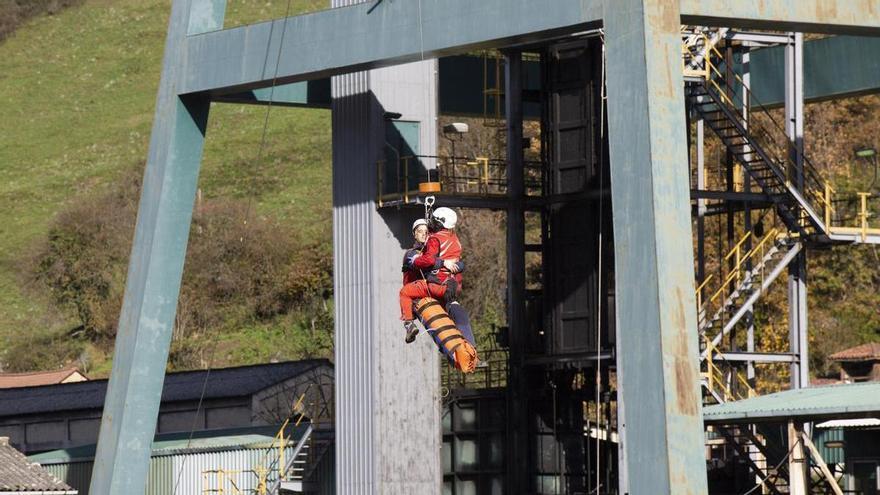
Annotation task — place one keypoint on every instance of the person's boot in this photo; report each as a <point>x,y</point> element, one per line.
<point>411,331</point>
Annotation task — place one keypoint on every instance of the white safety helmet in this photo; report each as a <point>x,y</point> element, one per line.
<point>419,222</point>
<point>446,217</point>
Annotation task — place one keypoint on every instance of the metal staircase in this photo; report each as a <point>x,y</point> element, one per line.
<point>298,475</point>
<point>764,459</point>
<point>749,270</point>
<point>742,286</point>
<point>782,173</point>
<point>754,137</point>
<point>762,154</point>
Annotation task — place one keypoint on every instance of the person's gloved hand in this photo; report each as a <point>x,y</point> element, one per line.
<point>451,265</point>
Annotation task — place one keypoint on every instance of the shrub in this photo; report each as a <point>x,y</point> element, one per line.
<point>239,267</point>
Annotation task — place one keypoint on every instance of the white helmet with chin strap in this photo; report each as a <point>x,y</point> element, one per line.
<point>445,217</point>
<point>418,223</point>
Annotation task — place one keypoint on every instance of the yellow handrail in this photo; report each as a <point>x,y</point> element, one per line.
<point>223,477</point>
<point>712,350</point>
<point>863,213</point>
<point>736,271</point>
<point>279,442</point>
<point>484,171</point>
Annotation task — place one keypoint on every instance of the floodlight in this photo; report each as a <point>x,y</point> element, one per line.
<point>455,128</point>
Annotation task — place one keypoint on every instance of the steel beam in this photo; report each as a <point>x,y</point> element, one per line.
<point>359,37</point>
<point>859,17</point>
<point>518,412</point>
<point>152,286</point>
<point>797,276</point>
<point>310,94</point>
<point>735,196</point>
<point>758,357</point>
<point>834,67</point>
<point>365,36</point>
<point>798,463</point>
<point>656,319</point>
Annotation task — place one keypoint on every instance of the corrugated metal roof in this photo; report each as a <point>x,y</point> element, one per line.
<point>187,385</point>
<point>178,443</point>
<point>836,401</point>
<point>850,423</point>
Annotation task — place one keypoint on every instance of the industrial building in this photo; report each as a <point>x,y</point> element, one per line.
<point>600,377</point>
<point>68,415</point>
<point>242,460</point>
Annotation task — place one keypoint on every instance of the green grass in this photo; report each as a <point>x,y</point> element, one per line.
<point>77,94</point>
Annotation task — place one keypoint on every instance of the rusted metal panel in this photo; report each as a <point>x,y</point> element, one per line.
<point>656,319</point>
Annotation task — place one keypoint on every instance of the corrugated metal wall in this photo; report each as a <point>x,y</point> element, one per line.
<point>76,474</point>
<point>822,435</point>
<point>351,285</point>
<point>185,471</point>
<point>387,421</point>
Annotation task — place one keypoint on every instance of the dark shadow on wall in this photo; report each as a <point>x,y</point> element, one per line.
<point>365,134</point>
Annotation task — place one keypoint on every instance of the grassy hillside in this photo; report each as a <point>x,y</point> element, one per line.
<point>77,93</point>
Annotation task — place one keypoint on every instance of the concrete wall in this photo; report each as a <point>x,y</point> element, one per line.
<point>387,426</point>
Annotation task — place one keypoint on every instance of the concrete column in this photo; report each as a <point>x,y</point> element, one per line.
<point>152,286</point>
<point>656,317</point>
<point>387,392</point>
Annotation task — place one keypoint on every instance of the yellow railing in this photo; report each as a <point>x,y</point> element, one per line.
<point>228,482</point>
<point>478,176</point>
<point>715,379</point>
<point>860,226</point>
<point>224,481</point>
<point>814,187</point>
<point>734,268</point>
<point>688,54</point>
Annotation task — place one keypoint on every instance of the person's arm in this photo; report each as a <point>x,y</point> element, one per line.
<point>408,258</point>
<point>428,258</point>
<point>452,265</point>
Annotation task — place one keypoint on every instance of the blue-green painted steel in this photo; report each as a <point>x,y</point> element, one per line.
<point>348,39</point>
<point>857,17</point>
<point>854,400</point>
<point>360,37</point>
<point>206,16</point>
<point>656,319</point>
<point>154,274</point>
<point>833,68</point>
<point>646,120</point>
<point>312,94</point>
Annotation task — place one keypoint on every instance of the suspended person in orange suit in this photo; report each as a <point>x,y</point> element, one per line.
<point>436,269</point>
<point>447,345</point>
<point>412,274</point>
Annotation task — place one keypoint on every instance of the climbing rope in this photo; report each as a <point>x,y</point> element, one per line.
<point>246,218</point>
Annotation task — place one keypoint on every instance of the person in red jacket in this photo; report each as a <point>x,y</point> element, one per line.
<point>436,269</point>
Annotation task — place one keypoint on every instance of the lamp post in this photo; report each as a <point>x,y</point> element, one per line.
<point>870,156</point>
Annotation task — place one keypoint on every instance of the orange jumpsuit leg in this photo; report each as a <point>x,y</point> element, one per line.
<point>417,290</point>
